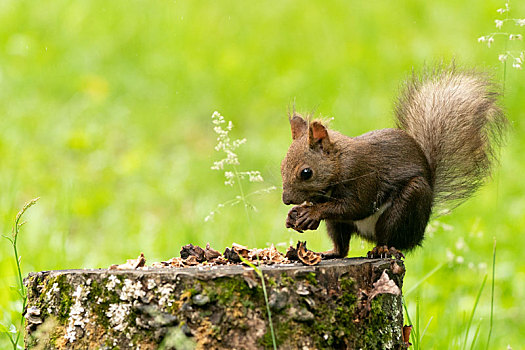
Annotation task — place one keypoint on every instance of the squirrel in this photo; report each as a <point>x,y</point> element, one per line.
<point>385,184</point>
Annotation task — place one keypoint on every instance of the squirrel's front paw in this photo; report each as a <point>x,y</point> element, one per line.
<point>302,218</point>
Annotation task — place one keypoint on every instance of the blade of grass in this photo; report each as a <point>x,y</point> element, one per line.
<point>428,275</point>
<point>475,336</point>
<point>425,330</point>
<point>20,281</point>
<point>4,330</point>
<point>268,311</point>
<point>492,292</point>
<point>417,322</point>
<point>473,311</point>
<point>413,334</point>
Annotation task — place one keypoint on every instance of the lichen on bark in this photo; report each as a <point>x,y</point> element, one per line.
<point>337,304</point>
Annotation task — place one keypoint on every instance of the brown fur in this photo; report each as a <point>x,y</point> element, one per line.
<point>383,185</point>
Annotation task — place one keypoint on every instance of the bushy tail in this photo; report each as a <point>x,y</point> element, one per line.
<point>454,117</point>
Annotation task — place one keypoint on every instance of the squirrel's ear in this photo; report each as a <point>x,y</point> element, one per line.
<point>298,125</point>
<point>318,135</point>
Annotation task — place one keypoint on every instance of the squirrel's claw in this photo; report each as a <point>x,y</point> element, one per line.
<point>305,222</point>
<point>385,252</point>
<point>299,218</point>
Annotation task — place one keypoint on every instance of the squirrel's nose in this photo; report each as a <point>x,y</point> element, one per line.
<point>286,198</point>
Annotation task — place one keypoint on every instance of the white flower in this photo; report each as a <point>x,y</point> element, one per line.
<point>255,176</point>
<point>230,178</point>
<point>515,37</point>
<point>490,40</point>
<point>239,142</point>
<point>520,22</point>
<point>460,244</point>
<point>209,217</point>
<point>482,39</point>
<point>450,255</point>
<point>217,118</point>
<point>502,57</point>
<point>499,23</point>
<point>503,10</point>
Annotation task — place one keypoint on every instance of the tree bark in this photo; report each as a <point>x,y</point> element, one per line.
<point>343,303</point>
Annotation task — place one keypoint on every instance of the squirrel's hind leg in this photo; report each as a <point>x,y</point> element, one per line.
<point>340,233</point>
<point>403,224</point>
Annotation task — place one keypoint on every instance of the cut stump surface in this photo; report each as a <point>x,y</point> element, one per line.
<point>342,303</point>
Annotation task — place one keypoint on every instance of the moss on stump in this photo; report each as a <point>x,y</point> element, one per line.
<point>343,303</point>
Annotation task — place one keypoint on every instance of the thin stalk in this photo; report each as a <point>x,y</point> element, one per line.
<point>492,292</point>
<point>259,272</point>
<point>506,50</point>
<point>473,311</point>
<point>417,323</point>
<point>241,189</point>
<point>261,276</point>
<point>413,334</point>
<point>8,334</point>
<point>21,289</point>
<point>274,342</point>
<point>433,271</point>
<point>475,336</point>
<point>425,330</point>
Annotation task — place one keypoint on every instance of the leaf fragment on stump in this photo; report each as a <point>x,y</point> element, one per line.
<point>131,264</point>
<point>406,335</point>
<point>210,253</point>
<point>384,285</point>
<point>191,250</point>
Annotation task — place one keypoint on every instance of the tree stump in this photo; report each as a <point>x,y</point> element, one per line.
<point>343,303</point>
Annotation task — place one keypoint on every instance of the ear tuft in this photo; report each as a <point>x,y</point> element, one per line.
<point>298,125</point>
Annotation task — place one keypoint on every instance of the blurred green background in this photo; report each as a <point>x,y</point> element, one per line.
<point>105,113</point>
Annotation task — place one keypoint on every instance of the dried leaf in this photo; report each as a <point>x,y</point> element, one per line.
<point>384,285</point>
<point>191,261</point>
<point>291,254</point>
<point>131,264</point>
<point>231,255</point>
<point>406,335</point>
<point>191,250</point>
<point>220,261</point>
<point>210,253</point>
<point>241,250</point>
<point>396,269</point>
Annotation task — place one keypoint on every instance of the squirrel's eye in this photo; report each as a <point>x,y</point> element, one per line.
<point>306,173</point>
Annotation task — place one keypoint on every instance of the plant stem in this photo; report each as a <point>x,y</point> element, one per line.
<point>505,62</point>
<point>20,281</point>
<point>413,334</point>
<point>274,342</point>
<point>259,272</point>
<point>415,286</point>
<point>492,292</point>
<point>473,311</point>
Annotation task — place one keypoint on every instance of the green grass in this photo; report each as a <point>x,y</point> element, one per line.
<point>105,113</point>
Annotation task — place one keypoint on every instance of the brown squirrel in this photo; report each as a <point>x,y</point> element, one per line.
<point>384,185</point>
